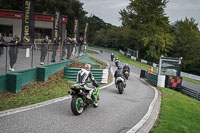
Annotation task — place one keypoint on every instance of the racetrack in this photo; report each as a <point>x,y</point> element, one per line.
<point>115,114</point>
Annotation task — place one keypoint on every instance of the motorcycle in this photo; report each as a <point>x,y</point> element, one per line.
<point>116,63</point>
<point>80,101</point>
<point>112,58</point>
<point>126,74</point>
<point>120,84</point>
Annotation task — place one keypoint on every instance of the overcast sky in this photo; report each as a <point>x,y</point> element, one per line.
<point>108,10</point>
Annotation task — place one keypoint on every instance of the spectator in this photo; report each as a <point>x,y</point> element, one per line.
<point>2,43</point>
<point>55,47</point>
<point>150,70</point>
<point>13,51</point>
<point>44,49</point>
<point>74,46</point>
<point>66,45</point>
<point>81,42</point>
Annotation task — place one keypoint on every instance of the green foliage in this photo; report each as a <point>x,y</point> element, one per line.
<point>187,43</point>
<point>95,24</point>
<point>150,27</point>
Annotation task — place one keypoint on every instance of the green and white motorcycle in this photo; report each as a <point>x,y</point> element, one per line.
<point>80,101</point>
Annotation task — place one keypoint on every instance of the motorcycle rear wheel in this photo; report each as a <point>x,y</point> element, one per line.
<point>77,105</point>
<point>120,88</point>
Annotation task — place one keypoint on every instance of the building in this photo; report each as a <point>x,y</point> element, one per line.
<point>11,23</point>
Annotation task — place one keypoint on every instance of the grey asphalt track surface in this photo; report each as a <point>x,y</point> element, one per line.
<point>116,113</point>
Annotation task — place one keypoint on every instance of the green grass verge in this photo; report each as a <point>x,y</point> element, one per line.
<point>178,114</point>
<point>191,80</point>
<point>98,61</point>
<point>92,52</point>
<point>36,92</point>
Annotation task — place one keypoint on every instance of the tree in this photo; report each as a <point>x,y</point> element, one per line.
<point>150,27</point>
<point>187,44</point>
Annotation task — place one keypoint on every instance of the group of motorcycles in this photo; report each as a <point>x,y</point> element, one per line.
<point>79,94</point>
<point>120,82</point>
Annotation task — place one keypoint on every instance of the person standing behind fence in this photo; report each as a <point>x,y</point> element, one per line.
<point>13,51</point>
<point>3,43</point>
<point>73,50</point>
<point>66,45</point>
<point>44,49</point>
<point>81,42</point>
<point>55,47</point>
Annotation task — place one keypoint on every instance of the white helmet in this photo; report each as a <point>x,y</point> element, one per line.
<point>87,67</point>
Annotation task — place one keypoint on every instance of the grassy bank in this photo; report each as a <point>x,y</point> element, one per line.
<point>178,114</point>
<point>36,92</point>
<point>92,52</point>
<point>191,80</point>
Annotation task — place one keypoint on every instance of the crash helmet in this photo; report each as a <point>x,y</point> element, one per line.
<point>126,64</point>
<point>87,67</point>
<point>119,67</point>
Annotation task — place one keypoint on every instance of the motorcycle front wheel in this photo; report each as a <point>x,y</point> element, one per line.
<point>77,105</point>
<point>120,88</point>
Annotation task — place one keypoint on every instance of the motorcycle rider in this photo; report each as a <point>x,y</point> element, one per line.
<point>84,75</point>
<point>117,61</point>
<point>119,73</point>
<point>126,68</point>
<point>112,56</point>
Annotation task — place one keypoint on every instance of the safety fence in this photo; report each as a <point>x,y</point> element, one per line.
<point>175,84</point>
<point>152,79</point>
<point>15,57</point>
<point>191,93</point>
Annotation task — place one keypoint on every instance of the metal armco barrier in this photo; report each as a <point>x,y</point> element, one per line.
<point>152,79</point>
<point>190,92</point>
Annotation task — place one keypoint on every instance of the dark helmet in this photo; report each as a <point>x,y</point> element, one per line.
<point>119,67</point>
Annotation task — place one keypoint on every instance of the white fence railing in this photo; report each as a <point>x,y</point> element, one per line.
<point>192,76</point>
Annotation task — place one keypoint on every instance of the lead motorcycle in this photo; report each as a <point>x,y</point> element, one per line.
<point>126,74</point>
<point>80,101</point>
<point>120,84</point>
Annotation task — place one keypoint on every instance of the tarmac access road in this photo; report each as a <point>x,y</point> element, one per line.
<point>116,113</point>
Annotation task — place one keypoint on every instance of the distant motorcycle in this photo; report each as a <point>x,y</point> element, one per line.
<point>80,101</point>
<point>120,84</point>
<point>126,74</point>
<point>112,57</point>
<point>117,62</point>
